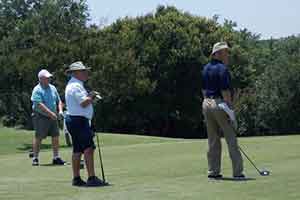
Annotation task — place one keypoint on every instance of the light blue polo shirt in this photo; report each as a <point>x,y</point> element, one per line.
<point>46,95</point>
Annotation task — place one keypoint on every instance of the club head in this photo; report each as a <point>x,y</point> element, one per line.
<point>67,163</point>
<point>265,173</point>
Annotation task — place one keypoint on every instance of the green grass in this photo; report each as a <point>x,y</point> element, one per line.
<point>150,168</point>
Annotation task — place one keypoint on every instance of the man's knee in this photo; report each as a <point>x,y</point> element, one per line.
<point>76,155</point>
<point>37,140</point>
<point>55,138</point>
<point>89,150</point>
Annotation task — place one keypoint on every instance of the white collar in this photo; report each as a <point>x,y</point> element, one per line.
<point>75,80</point>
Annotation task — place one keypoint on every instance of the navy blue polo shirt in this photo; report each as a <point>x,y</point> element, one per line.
<point>215,78</point>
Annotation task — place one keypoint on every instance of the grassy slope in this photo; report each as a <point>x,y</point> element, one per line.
<point>151,168</point>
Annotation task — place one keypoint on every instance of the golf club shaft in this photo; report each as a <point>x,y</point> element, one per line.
<point>100,158</point>
<point>243,152</point>
<point>249,159</point>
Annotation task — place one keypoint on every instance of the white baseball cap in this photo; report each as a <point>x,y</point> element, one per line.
<point>219,46</point>
<point>44,73</point>
<point>76,66</point>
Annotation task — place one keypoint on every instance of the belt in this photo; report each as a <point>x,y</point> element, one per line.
<point>213,97</point>
<point>77,117</point>
<point>38,114</point>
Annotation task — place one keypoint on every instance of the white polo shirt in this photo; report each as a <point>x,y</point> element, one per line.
<point>75,94</point>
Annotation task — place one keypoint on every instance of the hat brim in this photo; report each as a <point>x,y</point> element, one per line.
<point>48,76</point>
<point>68,71</point>
<point>225,47</point>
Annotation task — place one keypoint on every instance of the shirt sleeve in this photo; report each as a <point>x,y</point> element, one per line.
<point>79,93</point>
<point>57,95</point>
<point>225,79</point>
<point>36,96</point>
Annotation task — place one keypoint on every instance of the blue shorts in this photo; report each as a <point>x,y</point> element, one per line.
<point>81,133</point>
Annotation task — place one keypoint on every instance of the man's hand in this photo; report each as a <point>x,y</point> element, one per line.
<point>61,115</point>
<point>230,113</point>
<point>52,115</point>
<point>94,94</point>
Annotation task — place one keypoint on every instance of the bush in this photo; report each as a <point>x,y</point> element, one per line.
<point>278,97</point>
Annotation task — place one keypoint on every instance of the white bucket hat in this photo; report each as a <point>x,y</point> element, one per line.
<point>77,66</point>
<point>44,73</point>
<point>219,46</point>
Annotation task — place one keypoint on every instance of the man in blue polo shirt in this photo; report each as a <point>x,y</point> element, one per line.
<point>216,90</point>
<point>46,106</point>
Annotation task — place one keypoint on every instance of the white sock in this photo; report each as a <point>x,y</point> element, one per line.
<point>55,154</point>
<point>35,155</point>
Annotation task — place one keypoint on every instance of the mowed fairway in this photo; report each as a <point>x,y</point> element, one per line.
<point>151,168</point>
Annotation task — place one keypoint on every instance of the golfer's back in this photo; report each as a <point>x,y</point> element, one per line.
<point>215,78</point>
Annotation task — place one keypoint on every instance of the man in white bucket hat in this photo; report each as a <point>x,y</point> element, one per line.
<point>219,46</point>
<point>79,114</point>
<point>216,85</point>
<point>77,66</point>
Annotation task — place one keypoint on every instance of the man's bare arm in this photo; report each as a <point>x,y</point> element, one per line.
<point>46,110</point>
<point>60,107</point>
<point>87,101</point>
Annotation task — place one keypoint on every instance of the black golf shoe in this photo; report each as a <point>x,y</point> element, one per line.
<point>35,162</point>
<point>77,181</point>
<point>94,181</point>
<point>240,177</point>
<point>58,161</point>
<point>215,176</point>
<point>30,154</point>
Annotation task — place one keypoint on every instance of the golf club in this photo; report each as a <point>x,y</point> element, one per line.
<point>233,123</point>
<point>261,172</point>
<point>101,163</point>
<point>98,98</point>
<point>66,132</point>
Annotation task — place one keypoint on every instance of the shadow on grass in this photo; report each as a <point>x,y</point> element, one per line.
<point>236,180</point>
<point>28,147</point>
<point>106,184</point>
<point>51,165</point>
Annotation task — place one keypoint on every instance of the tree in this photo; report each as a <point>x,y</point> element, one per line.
<point>35,34</point>
<point>278,93</point>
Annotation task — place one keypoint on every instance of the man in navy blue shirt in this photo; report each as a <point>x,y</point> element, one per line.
<point>216,90</point>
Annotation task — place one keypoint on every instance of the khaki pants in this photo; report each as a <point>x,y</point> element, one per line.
<point>216,121</point>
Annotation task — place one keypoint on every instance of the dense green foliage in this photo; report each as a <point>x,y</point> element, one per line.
<point>147,68</point>
<point>278,89</point>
